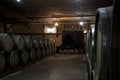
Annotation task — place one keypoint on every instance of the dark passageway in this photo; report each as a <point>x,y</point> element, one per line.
<point>58,67</point>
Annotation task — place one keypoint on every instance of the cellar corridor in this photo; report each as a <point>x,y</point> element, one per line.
<point>57,67</point>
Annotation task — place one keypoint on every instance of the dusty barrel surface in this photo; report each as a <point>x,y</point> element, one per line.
<point>46,47</point>
<point>46,42</point>
<point>90,57</point>
<point>39,53</point>
<point>92,45</point>
<point>89,67</point>
<point>43,52</point>
<point>87,43</point>
<point>54,48</point>
<point>13,59</point>
<point>24,55</point>
<point>19,42</point>
<point>41,41</point>
<point>50,47</point>
<point>42,46</point>
<point>6,42</point>
<point>28,41</point>
<point>88,62</point>
<point>36,42</point>
<point>33,54</point>
<point>102,43</point>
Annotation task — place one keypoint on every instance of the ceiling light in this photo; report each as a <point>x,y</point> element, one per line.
<point>81,23</point>
<point>18,0</point>
<point>85,31</point>
<point>56,24</point>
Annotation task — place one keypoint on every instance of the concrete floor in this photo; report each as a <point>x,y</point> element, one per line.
<point>58,67</point>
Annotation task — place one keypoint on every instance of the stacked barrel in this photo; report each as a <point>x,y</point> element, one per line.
<point>46,47</point>
<point>98,45</point>
<point>17,49</point>
<point>90,51</point>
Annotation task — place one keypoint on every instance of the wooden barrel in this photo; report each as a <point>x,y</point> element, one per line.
<point>88,54</point>
<point>36,42</point>
<point>28,42</point>
<point>50,44</point>
<point>90,51</point>
<point>2,62</point>
<point>43,52</point>
<point>13,59</point>
<point>33,54</point>
<point>39,53</point>
<point>49,47</point>
<point>41,42</point>
<point>19,42</point>
<point>102,43</point>
<point>46,42</point>
<point>24,56</point>
<point>48,51</point>
<point>115,43</point>
<point>87,43</point>
<point>6,42</point>
<point>54,48</point>
<point>89,67</point>
<point>92,45</point>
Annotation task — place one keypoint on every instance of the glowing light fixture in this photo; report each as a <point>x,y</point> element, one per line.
<point>18,0</point>
<point>50,30</point>
<point>85,31</point>
<point>81,23</point>
<point>56,24</point>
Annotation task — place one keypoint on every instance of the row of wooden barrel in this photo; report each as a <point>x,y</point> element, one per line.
<point>98,45</point>
<point>103,44</point>
<point>9,43</point>
<point>18,49</point>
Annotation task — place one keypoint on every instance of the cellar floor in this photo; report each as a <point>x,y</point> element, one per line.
<point>58,67</point>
